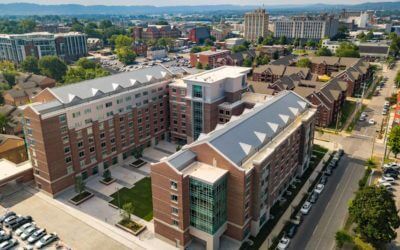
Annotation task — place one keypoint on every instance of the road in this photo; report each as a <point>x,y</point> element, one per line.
<point>328,215</point>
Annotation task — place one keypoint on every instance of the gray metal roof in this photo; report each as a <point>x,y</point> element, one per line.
<point>182,159</point>
<point>240,138</point>
<point>108,84</point>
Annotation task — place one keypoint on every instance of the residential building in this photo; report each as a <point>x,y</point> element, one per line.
<point>255,25</point>
<point>27,86</point>
<point>199,34</point>
<point>225,183</point>
<point>140,48</point>
<point>273,51</point>
<point>199,102</point>
<point>220,57</point>
<point>68,46</point>
<point>271,73</point>
<point>155,32</point>
<point>12,148</point>
<point>14,120</point>
<point>307,27</point>
<point>83,128</point>
<point>232,42</point>
<point>94,43</point>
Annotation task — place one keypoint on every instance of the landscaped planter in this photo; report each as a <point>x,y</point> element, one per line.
<point>138,163</point>
<point>107,182</point>
<point>131,227</point>
<point>78,199</point>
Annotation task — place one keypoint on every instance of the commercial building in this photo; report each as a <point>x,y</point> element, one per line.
<point>225,183</point>
<point>256,24</point>
<point>199,34</point>
<point>155,53</point>
<point>83,128</point>
<point>307,27</point>
<point>68,46</point>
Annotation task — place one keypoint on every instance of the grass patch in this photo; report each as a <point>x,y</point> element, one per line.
<point>346,111</point>
<point>355,120</point>
<point>131,225</point>
<point>139,196</point>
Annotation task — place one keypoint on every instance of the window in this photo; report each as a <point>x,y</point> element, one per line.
<point>174,198</point>
<point>68,159</point>
<point>76,114</point>
<point>63,129</point>
<point>79,134</point>
<point>65,139</point>
<point>89,131</point>
<point>61,118</point>
<point>102,135</point>
<point>119,101</point>
<point>108,104</point>
<point>174,185</point>
<point>70,170</point>
<point>175,222</point>
<point>103,144</point>
<point>67,150</point>
<point>88,121</point>
<point>137,95</point>
<point>101,125</point>
<point>175,210</point>
<point>110,114</point>
<point>91,149</point>
<point>197,91</point>
<point>80,144</point>
<point>173,90</point>
<point>87,111</point>
<point>99,107</point>
<point>128,98</point>
<point>82,154</point>
<point>145,93</point>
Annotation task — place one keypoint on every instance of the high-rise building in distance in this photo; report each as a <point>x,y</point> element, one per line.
<point>255,24</point>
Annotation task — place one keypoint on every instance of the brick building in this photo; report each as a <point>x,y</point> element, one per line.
<point>12,148</point>
<point>155,32</point>
<point>199,34</point>
<point>226,182</point>
<point>216,58</point>
<point>83,128</point>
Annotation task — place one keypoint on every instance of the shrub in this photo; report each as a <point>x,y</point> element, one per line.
<point>342,237</point>
<point>107,175</point>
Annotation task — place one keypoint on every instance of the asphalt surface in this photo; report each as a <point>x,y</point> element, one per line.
<point>319,227</point>
<point>328,215</point>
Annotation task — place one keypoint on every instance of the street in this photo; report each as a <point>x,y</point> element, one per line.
<point>328,214</point>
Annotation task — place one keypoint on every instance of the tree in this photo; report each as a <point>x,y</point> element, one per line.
<point>80,185</point>
<point>276,55</point>
<point>397,79</point>
<point>86,63</point>
<point>282,40</point>
<point>3,123</point>
<point>126,55</point>
<point>269,40</point>
<point>195,49</point>
<point>30,64</point>
<point>238,48</point>
<point>260,40</point>
<point>9,76</point>
<point>107,175</point>
<point>208,42</point>
<point>105,24</point>
<point>311,43</point>
<point>247,62</point>
<point>342,237</point>
<point>303,63</point>
<point>199,65</point>
<point>207,67</point>
<point>394,140</point>
<point>375,214</point>
<point>347,49</point>
<point>127,210</point>
<point>53,67</point>
<point>162,22</point>
<point>324,51</point>
<point>123,41</point>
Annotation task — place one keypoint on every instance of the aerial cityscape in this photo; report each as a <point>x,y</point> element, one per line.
<point>199,125</point>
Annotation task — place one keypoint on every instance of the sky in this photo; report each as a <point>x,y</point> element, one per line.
<point>190,2</point>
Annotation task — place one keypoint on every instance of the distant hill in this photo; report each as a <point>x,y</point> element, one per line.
<point>75,9</point>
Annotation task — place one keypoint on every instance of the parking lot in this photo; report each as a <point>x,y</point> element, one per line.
<point>73,233</point>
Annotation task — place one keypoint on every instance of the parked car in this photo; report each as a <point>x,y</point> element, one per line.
<point>283,243</point>
<point>391,174</point>
<point>305,209</point>
<point>10,220</point>
<point>292,230</point>
<point>28,232</point>
<point>6,215</point>
<point>385,184</point>
<point>8,244</point>
<point>371,121</point>
<point>388,179</point>
<point>387,104</point>
<point>46,240</point>
<point>297,219</point>
<point>22,228</point>
<point>323,180</point>
<point>313,197</point>
<point>36,236</point>
<point>328,171</point>
<point>391,170</point>
<point>318,189</point>
<point>384,112</point>
<point>19,222</point>
<point>4,236</point>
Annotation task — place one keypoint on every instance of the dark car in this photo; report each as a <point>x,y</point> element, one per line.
<point>390,174</point>
<point>323,179</point>
<point>341,152</point>
<point>10,220</point>
<point>6,215</point>
<point>292,230</point>
<point>4,236</point>
<point>19,222</point>
<point>313,198</point>
<point>391,170</point>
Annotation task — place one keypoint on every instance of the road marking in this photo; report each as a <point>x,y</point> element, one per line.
<point>336,206</point>
<point>315,230</point>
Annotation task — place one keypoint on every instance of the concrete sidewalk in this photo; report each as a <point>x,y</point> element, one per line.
<point>296,201</point>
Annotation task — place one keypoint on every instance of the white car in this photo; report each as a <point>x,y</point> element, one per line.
<point>388,179</point>
<point>393,165</point>
<point>283,243</point>
<point>387,104</point>
<point>21,229</point>
<point>385,184</point>
<point>306,207</point>
<point>46,240</point>
<point>371,121</point>
<point>318,189</point>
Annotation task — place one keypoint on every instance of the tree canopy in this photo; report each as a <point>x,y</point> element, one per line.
<point>126,55</point>
<point>347,49</point>
<point>30,64</point>
<point>303,63</point>
<point>53,67</point>
<point>375,214</point>
<point>394,140</point>
<point>324,51</point>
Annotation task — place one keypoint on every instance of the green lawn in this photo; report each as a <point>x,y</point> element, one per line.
<point>346,111</point>
<point>139,195</point>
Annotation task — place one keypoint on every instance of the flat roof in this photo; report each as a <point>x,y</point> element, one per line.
<point>214,75</point>
<point>204,172</point>
<point>9,169</point>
